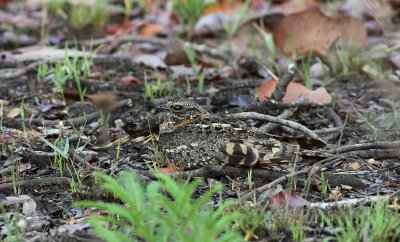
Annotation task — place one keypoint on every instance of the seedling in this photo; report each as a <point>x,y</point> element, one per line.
<point>324,184</point>
<point>252,221</point>
<point>81,15</point>
<point>42,72</point>
<point>162,211</point>
<point>158,88</point>
<point>191,55</point>
<point>250,181</point>
<point>233,24</point>
<point>306,63</point>
<point>375,223</point>
<point>189,11</point>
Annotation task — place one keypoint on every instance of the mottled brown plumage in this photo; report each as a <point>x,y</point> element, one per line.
<point>192,137</point>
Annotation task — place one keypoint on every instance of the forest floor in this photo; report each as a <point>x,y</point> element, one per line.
<point>80,87</point>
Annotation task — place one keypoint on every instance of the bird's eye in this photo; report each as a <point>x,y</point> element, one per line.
<point>177,107</point>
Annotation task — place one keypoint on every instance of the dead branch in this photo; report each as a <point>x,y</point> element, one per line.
<point>288,123</point>
<point>267,128</point>
<point>367,146</point>
<point>72,121</point>
<point>35,183</point>
<point>352,202</point>
<point>283,83</point>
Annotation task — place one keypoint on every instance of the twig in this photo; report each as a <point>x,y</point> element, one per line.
<point>337,121</point>
<point>267,128</point>
<point>288,123</point>
<point>375,145</point>
<point>125,39</point>
<point>352,202</point>
<point>35,182</point>
<point>8,74</point>
<point>283,83</point>
<point>212,52</point>
<point>72,121</point>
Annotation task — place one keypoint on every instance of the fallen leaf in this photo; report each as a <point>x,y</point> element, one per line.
<point>336,194</point>
<point>151,30</point>
<point>294,92</point>
<point>121,28</point>
<point>355,165</point>
<point>211,24</point>
<point>295,6</point>
<point>14,113</point>
<point>151,61</point>
<point>280,199</point>
<point>306,31</point>
<point>352,31</point>
<point>29,206</point>
<point>223,6</point>
<point>372,161</point>
<point>128,80</point>
<point>395,204</point>
<point>33,53</point>
<point>4,102</point>
<point>395,60</point>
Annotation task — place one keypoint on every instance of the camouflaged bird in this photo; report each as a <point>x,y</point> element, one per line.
<point>192,137</point>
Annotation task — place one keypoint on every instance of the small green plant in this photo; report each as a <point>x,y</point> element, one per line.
<point>42,72</point>
<point>163,211</point>
<point>13,226</point>
<point>324,184</point>
<point>158,88</point>
<point>252,221</point>
<point>59,78</point>
<point>128,9</point>
<point>250,181</point>
<point>81,15</point>
<point>189,11</point>
<point>74,68</point>
<point>60,149</point>
<point>306,63</point>
<point>375,223</point>
<point>232,25</point>
<point>344,61</point>
<point>14,172</point>
<point>268,39</point>
<point>297,232</point>
<point>200,74</point>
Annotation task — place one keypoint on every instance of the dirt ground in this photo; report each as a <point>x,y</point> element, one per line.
<point>79,98</point>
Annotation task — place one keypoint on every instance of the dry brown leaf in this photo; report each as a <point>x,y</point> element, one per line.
<point>151,30</point>
<point>336,194</point>
<point>306,31</point>
<point>352,31</point>
<point>355,165</point>
<point>14,113</point>
<point>295,6</point>
<point>223,6</point>
<point>294,92</point>
<point>282,198</point>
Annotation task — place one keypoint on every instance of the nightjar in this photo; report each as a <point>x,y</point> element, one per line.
<point>191,137</point>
